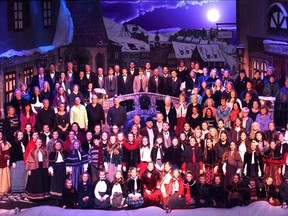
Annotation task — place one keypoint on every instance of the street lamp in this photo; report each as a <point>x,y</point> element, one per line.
<point>241,53</point>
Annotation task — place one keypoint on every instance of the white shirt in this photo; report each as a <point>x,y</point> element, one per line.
<point>22,147</point>
<point>59,158</point>
<point>242,149</point>
<point>100,187</point>
<point>145,154</point>
<point>151,137</point>
<point>116,188</point>
<point>181,111</point>
<point>159,126</point>
<point>40,156</point>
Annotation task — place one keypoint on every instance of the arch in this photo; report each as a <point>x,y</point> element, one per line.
<point>277,17</point>
<point>78,56</point>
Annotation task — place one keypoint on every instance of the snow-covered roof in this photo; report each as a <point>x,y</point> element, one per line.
<point>274,42</point>
<point>114,29</point>
<point>183,50</point>
<point>63,35</point>
<point>210,53</point>
<point>130,44</point>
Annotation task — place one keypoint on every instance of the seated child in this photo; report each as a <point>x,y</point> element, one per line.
<point>176,192</point>
<point>268,192</point>
<point>118,194</point>
<point>284,192</point>
<point>218,194</point>
<point>190,188</point>
<point>203,198</point>
<point>253,191</point>
<point>69,199</point>
<point>85,192</point>
<point>135,189</point>
<point>102,192</point>
<point>236,191</point>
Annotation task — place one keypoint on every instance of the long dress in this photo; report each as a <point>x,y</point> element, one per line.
<point>273,161</point>
<point>4,169</point>
<point>150,182</point>
<point>58,166</point>
<point>38,182</point>
<point>18,174</point>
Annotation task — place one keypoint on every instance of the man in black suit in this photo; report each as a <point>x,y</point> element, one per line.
<point>99,80</point>
<point>52,76</point>
<point>70,75</point>
<point>168,135</point>
<point>125,83</point>
<point>90,76</point>
<point>132,70</point>
<point>117,71</point>
<point>111,84</point>
<point>175,84</point>
<point>191,81</point>
<point>149,131</point>
<point>39,79</point>
<point>155,83</point>
<point>167,81</point>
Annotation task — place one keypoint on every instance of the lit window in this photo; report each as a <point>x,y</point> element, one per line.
<point>28,75</point>
<point>10,83</point>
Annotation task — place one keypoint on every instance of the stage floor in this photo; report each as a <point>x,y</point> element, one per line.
<point>260,208</point>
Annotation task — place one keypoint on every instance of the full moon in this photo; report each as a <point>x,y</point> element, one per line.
<point>213,15</point>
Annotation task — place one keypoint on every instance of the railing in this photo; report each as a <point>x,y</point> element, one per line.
<point>135,98</point>
<point>281,114</point>
<point>270,102</point>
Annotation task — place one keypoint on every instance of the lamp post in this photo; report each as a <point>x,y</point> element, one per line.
<point>240,53</point>
<point>42,60</point>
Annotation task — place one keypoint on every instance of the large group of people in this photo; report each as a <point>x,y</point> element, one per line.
<point>216,147</point>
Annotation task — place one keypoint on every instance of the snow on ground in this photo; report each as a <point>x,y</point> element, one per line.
<point>260,208</point>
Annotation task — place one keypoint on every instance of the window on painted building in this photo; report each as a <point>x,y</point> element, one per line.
<point>28,75</point>
<point>47,13</point>
<point>263,68</point>
<point>116,55</point>
<point>18,15</point>
<point>277,17</point>
<point>261,65</point>
<point>10,83</point>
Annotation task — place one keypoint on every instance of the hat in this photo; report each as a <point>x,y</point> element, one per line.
<point>149,119</point>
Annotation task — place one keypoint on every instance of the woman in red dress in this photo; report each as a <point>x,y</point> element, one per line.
<point>151,183</point>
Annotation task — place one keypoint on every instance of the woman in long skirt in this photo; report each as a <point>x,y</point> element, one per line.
<point>57,170</point>
<point>38,185</point>
<point>4,168</point>
<point>18,172</point>
<point>232,163</point>
<point>77,162</point>
<point>273,160</point>
<point>210,162</point>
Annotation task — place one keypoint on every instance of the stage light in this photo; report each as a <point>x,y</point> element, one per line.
<point>213,15</point>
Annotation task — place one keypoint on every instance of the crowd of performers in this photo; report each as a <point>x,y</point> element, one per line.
<point>211,149</point>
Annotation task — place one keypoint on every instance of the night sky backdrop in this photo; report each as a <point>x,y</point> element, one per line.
<point>169,14</point>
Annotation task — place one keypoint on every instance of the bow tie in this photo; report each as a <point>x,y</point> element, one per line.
<point>52,72</point>
<point>165,133</point>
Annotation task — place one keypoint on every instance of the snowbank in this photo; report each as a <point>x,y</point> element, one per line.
<point>260,208</point>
